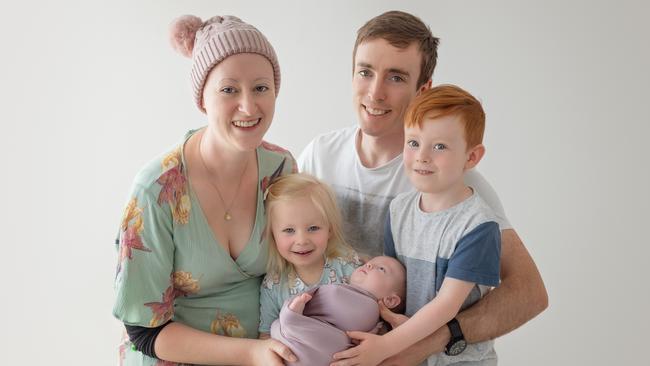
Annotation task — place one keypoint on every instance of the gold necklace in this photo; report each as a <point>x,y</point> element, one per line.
<point>227,215</point>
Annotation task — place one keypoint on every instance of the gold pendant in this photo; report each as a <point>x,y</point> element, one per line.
<point>227,216</point>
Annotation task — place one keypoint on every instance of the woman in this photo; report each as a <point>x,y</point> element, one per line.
<point>191,253</point>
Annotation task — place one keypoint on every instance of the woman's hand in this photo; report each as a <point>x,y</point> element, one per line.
<point>271,352</point>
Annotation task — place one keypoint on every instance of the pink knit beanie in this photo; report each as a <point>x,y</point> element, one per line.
<point>210,42</point>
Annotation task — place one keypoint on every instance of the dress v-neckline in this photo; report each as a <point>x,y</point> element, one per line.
<point>195,200</point>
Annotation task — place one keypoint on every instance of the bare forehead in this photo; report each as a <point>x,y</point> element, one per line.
<point>379,53</point>
<point>392,263</point>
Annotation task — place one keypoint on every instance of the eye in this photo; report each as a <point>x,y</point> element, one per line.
<point>382,269</point>
<point>412,143</point>
<point>261,88</point>
<point>313,228</point>
<point>364,73</point>
<point>228,90</point>
<point>396,78</point>
<point>439,147</point>
<point>288,230</point>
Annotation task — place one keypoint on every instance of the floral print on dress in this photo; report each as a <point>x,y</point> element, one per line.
<point>275,148</point>
<point>266,181</point>
<point>227,324</point>
<point>174,187</point>
<point>131,229</point>
<point>182,284</point>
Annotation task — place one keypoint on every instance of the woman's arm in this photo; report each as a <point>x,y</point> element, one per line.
<point>180,343</point>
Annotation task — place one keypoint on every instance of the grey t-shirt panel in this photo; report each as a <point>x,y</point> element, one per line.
<point>424,243</point>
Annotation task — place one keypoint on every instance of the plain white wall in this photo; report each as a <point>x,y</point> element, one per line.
<point>91,90</point>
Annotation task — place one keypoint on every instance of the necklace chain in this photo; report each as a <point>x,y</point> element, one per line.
<point>227,216</point>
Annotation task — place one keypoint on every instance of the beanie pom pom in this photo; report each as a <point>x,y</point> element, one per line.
<point>182,33</point>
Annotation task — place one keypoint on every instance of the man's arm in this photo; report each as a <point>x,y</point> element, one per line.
<point>520,296</point>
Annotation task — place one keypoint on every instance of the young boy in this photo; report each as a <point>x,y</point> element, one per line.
<point>314,324</point>
<point>444,233</point>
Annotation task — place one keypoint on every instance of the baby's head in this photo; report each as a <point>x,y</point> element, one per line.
<point>384,277</point>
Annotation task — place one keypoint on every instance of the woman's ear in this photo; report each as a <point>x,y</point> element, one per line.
<point>391,301</point>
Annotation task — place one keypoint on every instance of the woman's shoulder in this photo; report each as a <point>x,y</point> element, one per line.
<point>160,171</point>
<point>274,152</point>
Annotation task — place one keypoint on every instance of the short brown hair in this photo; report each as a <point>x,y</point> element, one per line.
<point>401,29</point>
<point>444,100</point>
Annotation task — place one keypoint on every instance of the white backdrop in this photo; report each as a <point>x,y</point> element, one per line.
<point>91,90</point>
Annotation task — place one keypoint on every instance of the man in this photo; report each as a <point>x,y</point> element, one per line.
<point>394,58</point>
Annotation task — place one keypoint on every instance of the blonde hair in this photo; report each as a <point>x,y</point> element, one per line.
<point>300,185</point>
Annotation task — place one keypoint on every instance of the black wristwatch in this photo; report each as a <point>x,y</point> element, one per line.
<point>457,343</point>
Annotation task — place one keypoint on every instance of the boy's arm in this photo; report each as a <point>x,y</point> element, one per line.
<point>373,349</point>
<point>521,295</point>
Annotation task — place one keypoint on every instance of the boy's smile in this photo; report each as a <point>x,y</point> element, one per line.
<point>436,157</point>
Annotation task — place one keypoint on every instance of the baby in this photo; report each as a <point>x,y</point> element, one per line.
<point>313,324</point>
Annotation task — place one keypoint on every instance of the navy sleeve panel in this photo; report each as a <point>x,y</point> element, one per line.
<point>477,256</point>
<point>389,244</point>
<point>144,338</point>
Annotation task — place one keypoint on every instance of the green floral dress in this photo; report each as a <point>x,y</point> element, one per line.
<point>170,266</point>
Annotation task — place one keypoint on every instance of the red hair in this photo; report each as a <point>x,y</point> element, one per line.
<point>444,100</point>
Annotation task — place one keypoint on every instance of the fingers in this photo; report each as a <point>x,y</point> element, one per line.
<point>297,305</point>
<point>387,314</point>
<point>283,351</point>
<point>357,335</point>
<point>343,358</point>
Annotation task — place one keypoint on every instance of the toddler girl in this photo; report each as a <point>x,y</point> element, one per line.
<point>306,245</point>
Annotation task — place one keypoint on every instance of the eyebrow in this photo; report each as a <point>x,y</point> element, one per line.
<point>393,70</point>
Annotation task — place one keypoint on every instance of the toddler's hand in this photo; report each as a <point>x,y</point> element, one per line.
<point>297,305</point>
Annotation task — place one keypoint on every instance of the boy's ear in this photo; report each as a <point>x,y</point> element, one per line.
<point>391,301</point>
<point>474,155</point>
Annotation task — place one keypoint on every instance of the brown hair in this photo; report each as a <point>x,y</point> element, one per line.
<point>401,29</point>
<point>444,100</point>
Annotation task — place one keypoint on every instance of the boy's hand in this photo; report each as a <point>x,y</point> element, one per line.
<point>297,305</point>
<point>370,352</point>
<point>394,319</point>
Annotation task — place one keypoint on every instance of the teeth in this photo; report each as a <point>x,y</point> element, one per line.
<point>376,112</point>
<point>246,123</point>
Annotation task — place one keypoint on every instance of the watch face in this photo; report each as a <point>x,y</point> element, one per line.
<point>457,348</point>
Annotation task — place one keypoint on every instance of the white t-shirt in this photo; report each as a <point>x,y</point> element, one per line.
<point>363,194</point>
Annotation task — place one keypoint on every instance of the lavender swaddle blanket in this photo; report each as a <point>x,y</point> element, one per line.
<point>319,332</point>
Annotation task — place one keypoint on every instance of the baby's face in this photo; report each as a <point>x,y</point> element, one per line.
<point>381,276</point>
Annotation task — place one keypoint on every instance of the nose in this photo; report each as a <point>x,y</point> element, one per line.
<point>301,237</point>
<point>422,158</point>
<point>369,265</point>
<point>376,90</point>
<point>247,104</point>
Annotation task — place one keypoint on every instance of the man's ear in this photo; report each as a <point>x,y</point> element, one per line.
<point>391,301</point>
<point>425,86</point>
<point>474,155</point>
